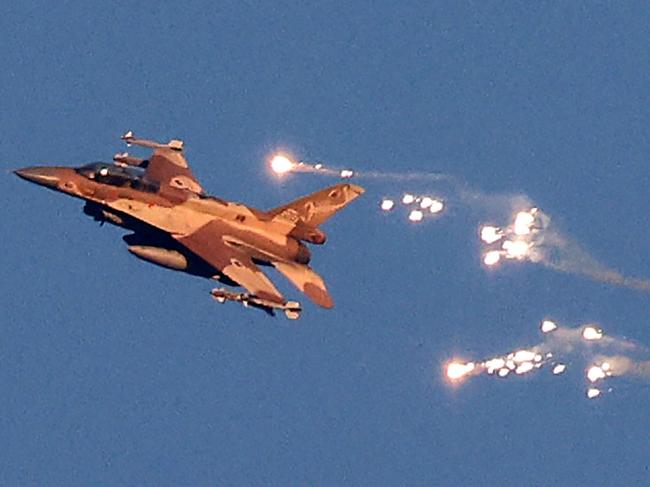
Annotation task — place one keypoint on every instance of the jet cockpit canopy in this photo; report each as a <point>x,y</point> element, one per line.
<point>114,175</point>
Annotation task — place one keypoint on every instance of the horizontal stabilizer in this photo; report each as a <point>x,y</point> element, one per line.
<point>307,281</point>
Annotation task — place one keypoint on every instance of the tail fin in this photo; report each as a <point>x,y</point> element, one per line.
<point>317,207</point>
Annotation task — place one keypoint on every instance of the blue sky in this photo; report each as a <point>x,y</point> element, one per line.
<point>118,372</point>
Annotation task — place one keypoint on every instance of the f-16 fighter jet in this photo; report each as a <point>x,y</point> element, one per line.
<point>175,224</point>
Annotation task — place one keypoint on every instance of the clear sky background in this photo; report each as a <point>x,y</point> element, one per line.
<point>117,372</point>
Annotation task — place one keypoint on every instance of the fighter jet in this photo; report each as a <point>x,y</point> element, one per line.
<point>175,224</point>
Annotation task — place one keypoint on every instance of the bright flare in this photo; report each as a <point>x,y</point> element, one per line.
<point>494,364</point>
<point>491,258</point>
<point>436,206</point>
<point>426,202</point>
<point>408,199</point>
<point>387,204</point>
<point>592,333</point>
<point>416,216</point>
<point>595,373</point>
<point>592,392</point>
<point>456,370</point>
<point>490,234</point>
<point>515,249</point>
<point>523,356</point>
<point>547,326</point>
<point>523,222</point>
<point>523,368</point>
<point>281,164</point>
<point>559,369</point>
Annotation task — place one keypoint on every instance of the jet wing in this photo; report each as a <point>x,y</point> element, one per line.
<point>167,166</point>
<point>307,281</point>
<point>211,244</point>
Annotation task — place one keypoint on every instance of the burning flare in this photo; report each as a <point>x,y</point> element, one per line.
<point>387,204</point>
<point>561,346</point>
<point>457,370</point>
<point>416,216</point>
<point>492,258</point>
<point>591,333</point>
<point>490,234</point>
<point>408,199</point>
<point>282,164</point>
<point>436,206</point>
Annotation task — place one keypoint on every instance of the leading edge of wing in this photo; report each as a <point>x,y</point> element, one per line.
<point>168,167</point>
<point>208,243</point>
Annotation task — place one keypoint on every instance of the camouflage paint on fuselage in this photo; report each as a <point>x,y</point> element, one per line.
<point>177,225</point>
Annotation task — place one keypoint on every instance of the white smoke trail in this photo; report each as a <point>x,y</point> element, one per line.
<point>623,365</point>
<point>564,254</point>
<point>543,243</point>
<point>599,355</point>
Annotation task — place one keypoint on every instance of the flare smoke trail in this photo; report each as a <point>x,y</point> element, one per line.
<point>533,238</point>
<point>282,164</point>
<point>566,255</point>
<point>542,242</point>
<point>403,177</point>
<point>599,355</point>
<point>622,365</point>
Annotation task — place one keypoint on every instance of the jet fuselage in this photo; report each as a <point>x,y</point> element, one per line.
<point>127,201</point>
<point>176,225</point>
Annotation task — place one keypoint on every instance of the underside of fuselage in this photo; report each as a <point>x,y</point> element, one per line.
<point>155,246</point>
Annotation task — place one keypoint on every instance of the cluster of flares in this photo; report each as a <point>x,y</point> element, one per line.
<point>528,237</point>
<point>519,240</point>
<point>419,206</point>
<point>531,237</point>
<point>603,356</point>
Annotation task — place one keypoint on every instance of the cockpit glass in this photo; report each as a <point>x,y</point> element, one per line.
<point>114,175</point>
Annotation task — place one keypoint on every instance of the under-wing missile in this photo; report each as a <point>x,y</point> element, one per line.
<point>177,225</point>
<point>292,309</point>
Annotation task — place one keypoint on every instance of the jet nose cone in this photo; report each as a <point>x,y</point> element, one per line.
<point>45,176</point>
<point>357,189</point>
